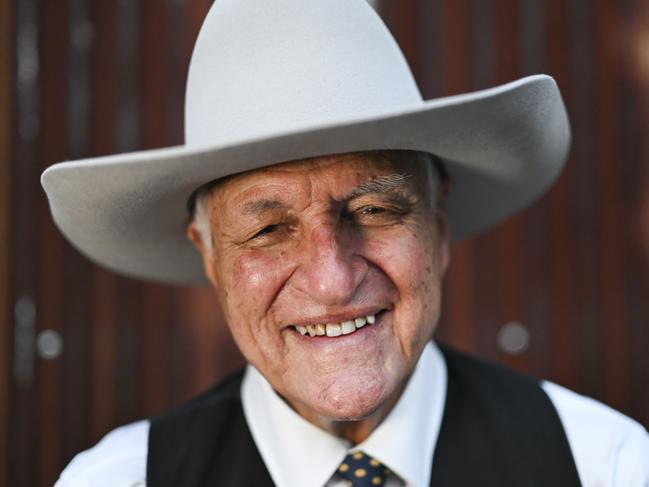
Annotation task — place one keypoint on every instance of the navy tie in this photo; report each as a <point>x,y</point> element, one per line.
<point>361,470</point>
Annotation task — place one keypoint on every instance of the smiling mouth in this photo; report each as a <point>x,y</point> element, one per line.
<point>336,329</point>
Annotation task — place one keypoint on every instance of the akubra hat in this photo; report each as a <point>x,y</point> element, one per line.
<point>280,80</point>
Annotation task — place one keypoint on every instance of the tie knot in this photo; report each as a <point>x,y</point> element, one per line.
<point>361,470</point>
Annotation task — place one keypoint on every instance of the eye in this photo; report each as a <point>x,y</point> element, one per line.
<point>373,215</point>
<point>371,210</point>
<point>268,229</point>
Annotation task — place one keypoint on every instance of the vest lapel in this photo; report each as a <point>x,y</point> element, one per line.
<point>205,443</point>
<point>499,429</point>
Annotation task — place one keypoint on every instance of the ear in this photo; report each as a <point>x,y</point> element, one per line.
<point>443,239</point>
<point>442,193</point>
<point>195,237</point>
<point>443,228</point>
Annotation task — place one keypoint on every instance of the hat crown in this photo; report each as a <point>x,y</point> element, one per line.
<point>262,67</point>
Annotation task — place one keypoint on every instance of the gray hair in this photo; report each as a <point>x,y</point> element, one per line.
<point>201,211</point>
<point>201,217</point>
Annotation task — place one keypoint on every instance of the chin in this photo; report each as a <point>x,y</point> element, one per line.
<point>343,401</point>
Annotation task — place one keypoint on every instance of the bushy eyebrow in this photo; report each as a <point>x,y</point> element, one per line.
<point>262,205</point>
<point>382,184</point>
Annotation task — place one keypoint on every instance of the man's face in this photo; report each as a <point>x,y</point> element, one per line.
<point>322,242</point>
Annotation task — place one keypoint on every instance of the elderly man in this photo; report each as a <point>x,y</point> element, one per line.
<point>323,194</point>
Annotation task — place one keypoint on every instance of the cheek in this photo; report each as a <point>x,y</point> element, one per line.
<point>416,270</point>
<point>246,296</point>
<point>409,261</point>
<point>253,273</point>
<point>251,284</point>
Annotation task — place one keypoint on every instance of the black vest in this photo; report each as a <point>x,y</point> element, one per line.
<point>499,429</point>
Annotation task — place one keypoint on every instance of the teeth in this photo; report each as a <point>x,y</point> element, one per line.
<point>336,329</point>
<point>348,327</point>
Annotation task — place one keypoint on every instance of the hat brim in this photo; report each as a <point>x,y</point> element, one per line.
<point>502,148</point>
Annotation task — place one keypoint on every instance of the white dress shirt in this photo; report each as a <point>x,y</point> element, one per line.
<point>404,442</point>
<point>610,449</point>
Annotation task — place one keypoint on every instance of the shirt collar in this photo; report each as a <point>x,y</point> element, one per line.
<point>299,453</point>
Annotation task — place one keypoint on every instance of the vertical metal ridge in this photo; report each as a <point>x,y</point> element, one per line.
<point>176,70</point>
<point>56,304</point>
<point>102,318</point>
<point>24,173</point>
<point>455,46</point>
<point>531,34</point>
<point>157,28</point>
<point>531,39</point>
<point>459,312</point>
<point>127,135</point>
<point>486,55</point>
<point>582,106</point>
<point>81,33</point>
<point>635,161</point>
<point>612,289</point>
<point>68,304</point>
<point>562,291</point>
<point>430,38</point>
<point>513,271</point>
<point>482,40</point>
<point>6,119</point>
<point>532,30</point>
<point>175,73</point>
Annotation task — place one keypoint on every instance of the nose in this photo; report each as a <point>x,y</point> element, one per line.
<point>330,270</point>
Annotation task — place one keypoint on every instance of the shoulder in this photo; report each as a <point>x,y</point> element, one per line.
<point>225,393</point>
<point>118,460</point>
<point>609,448</point>
<point>485,377</point>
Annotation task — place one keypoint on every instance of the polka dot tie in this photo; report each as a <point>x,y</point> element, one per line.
<point>361,470</point>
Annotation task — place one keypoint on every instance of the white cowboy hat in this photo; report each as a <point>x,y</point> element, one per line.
<point>280,80</point>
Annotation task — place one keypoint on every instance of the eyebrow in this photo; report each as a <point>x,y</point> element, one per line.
<point>262,205</point>
<point>382,184</point>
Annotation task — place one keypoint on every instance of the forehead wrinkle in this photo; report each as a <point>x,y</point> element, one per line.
<point>381,184</point>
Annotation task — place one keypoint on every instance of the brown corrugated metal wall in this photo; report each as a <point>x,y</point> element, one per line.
<point>570,268</point>
<point>6,88</point>
<point>89,77</point>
